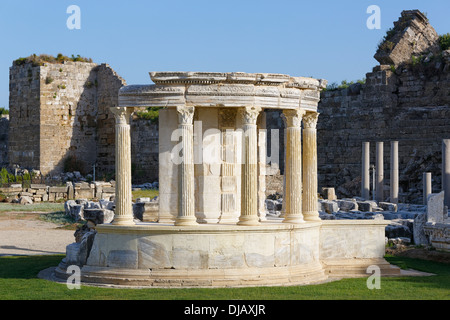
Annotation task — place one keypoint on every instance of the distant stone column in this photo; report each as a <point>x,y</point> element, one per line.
<point>293,168</point>
<point>380,172</point>
<point>427,187</point>
<point>365,181</point>
<point>249,172</point>
<point>124,206</point>
<point>446,171</point>
<point>186,197</point>
<point>310,184</point>
<point>394,172</point>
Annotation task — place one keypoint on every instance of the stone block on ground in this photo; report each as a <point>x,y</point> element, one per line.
<point>24,200</point>
<point>387,206</point>
<point>365,206</point>
<point>419,236</point>
<point>98,216</point>
<point>330,206</point>
<point>347,205</point>
<point>146,211</point>
<point>329,193</point>
<point>436,208</point>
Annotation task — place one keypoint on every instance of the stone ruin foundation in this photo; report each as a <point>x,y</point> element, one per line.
<point>212,230</point>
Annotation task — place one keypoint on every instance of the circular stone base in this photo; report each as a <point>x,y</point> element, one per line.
<point>151,254</point>
<point>219,255</point>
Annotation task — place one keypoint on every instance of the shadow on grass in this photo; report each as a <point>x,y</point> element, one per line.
<point>26,267</point>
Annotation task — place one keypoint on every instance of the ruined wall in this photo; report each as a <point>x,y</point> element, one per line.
<point>24,109</point>
<point>410,104</point>
<point>60,116</point>
<point>108,86</point>
<point>144,150</point>
<point>4,133</point>
<point>68,116</point>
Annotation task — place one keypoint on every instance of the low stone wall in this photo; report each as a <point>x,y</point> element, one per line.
<point>36,193</point>
<point>271,254</point>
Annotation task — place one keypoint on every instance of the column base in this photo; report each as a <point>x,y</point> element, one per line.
<point>186,221</point>
<point>248,221</point>
<point>311,216</point>
<point>294,219</point>
<point>123,221</point>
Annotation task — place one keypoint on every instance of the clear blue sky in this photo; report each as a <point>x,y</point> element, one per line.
<point>323,39</point>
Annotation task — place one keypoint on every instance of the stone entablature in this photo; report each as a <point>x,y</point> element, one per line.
<point>273,91</point>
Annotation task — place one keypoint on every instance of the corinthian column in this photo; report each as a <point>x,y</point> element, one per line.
<point>293,168</point>
<point>249,171</point>
<point>124,207</point>
<point>186,198</point>
<point>310,212</point>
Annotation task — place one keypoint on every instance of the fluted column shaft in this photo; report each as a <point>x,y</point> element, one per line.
<point>249,171</point>
<point>123,199</point>
<point>186,197</point>
<point>310,185</point>
<point>293,168</point>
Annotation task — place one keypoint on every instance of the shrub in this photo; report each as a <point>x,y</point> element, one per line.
<point>39,60</point>
<point>151,114</point>
<point>444,41</point>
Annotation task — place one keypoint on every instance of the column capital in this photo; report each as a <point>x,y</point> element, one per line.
<point>294,117</point>
<point>185,114</point>
<point>250,114</point>
<point>310,120</point>
<point>122,114</point>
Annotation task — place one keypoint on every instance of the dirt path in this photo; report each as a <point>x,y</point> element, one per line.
<point>25,234</point>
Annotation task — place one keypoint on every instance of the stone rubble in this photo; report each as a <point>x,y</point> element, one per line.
<point>405,219</point>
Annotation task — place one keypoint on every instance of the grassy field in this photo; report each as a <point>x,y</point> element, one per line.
<point>145,194</point>
<point>37,207</point>
<point>18,281</point>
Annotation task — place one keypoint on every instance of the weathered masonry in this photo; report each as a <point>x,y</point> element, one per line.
<point>406,99</point>
<point>60,115</point>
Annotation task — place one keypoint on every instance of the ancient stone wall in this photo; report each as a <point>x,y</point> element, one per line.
<point>68,116</point>
<point>108,85</point>
<point>60,116</point>
<point>144,150</point>
<point>409,104</point>
<point>24,108</point>
<point>4,133</point>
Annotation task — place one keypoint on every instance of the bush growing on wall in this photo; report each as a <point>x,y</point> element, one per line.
<point>151,114</point>
<point>444,41</point>
<point>39,60</point>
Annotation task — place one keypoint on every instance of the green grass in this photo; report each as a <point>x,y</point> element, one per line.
<point>18,281</point>
<point>145,194</point>
<point>37,207</point>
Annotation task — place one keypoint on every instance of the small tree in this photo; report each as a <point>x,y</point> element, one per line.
<point>444,41</point>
